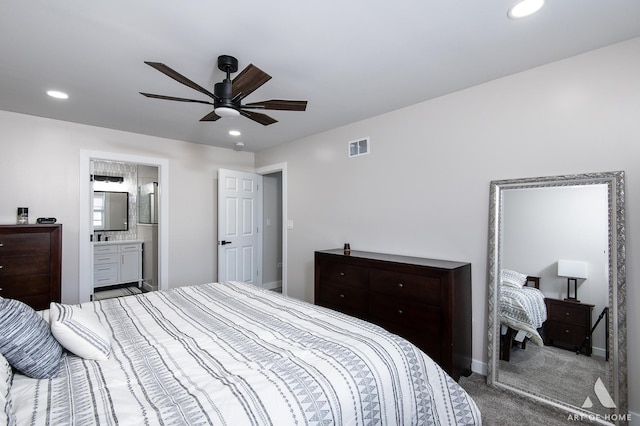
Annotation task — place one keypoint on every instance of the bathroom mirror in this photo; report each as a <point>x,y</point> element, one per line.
<point>563,343</point>
<point>110,211</point>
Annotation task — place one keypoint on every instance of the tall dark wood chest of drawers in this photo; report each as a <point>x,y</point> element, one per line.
<point>568,325</point>
<point>426,301</point>
<point>30,263</point>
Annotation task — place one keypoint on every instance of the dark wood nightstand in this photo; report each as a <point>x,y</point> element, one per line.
<point>568,325</point>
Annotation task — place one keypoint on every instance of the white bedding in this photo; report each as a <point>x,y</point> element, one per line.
<point>523,309</point>
<point>233,354</point>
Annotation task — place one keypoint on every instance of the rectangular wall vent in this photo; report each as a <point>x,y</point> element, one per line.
<point>359,147</point>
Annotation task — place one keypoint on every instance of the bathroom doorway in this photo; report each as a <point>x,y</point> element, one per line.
<point>153,235</point>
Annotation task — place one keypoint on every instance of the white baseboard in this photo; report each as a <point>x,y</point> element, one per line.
<point>479,367</point>
<point>272,285</point>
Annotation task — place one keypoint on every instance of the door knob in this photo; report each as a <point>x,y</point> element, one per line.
<point>223,242</point>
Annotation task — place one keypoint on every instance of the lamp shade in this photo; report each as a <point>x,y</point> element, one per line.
<point>572,268</point>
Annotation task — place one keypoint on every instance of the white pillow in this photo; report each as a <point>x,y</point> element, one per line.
<point>79,331</point>
<point>513,278</point>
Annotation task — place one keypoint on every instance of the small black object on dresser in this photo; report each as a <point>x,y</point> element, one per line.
<point>46,220</point>
<point>31,263</point>
<point>426,301</point>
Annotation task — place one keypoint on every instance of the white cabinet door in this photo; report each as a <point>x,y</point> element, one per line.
<point>129,266</point>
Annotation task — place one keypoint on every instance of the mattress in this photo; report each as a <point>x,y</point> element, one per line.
<point>234,354</point>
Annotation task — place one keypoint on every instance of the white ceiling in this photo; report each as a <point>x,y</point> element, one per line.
<point>350,59</point>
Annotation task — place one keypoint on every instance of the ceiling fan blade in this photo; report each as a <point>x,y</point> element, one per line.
<point>263,119</point>
<point>179,78</point>
<point>212,116</point>
<point>171,98</point>
<point>247,81</point>
<point>278,104</point>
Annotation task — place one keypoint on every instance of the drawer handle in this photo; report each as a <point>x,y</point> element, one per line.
<point>400,285</point>
<point>400,311</point>
<point>1,244</point>
<point>566,313</point>
<point>1,289</point>
<point>342,274</point>
<point>1,266</point>
<point>342,296</point>
<point>566,331</point>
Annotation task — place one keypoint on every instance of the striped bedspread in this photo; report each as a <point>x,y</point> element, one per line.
<point>233,354</point>
<point>523,309</point>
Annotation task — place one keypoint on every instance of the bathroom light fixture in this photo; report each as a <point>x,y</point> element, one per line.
<point>226,112</point>
<point>110,179</point>
<point>525,8</point>
<point>234,132</point>
<point>238,146</point>
<point>57,94</point>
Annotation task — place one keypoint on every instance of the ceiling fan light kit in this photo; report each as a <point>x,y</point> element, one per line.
<point>227,112</point>
<point>228,94</point>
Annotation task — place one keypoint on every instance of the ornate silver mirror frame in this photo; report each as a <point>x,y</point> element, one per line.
<point>617,374</point>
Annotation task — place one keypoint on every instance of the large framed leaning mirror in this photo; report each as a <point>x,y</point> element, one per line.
<point>557,312</point>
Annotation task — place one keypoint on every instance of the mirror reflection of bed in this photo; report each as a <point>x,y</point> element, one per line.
<point>549,341</point>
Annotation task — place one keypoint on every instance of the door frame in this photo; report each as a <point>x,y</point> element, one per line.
<point>85,255</point>
<point>274,168</point>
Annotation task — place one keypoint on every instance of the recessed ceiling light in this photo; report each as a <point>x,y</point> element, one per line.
<point>234,132</point>
<point>525,8</point>
<point>57,94</point>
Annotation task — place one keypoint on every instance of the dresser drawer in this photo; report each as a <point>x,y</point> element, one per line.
<point>106,249</point>
<point>105,274</point>
<point>405,313</point>
<point>130,247</point>
<point>106,258</point>
<point>24,265</point>
<point>565,332</point>
<point>344,275</point>
<point>406,286</point>
<point>348,299</point>
<point>18,286</point>
<point>24,244</point>
<point>565,312</point>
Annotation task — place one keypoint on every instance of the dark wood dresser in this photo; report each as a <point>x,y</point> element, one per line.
<point>568,324</point>
<point>426,301</point>
<point>30,263</point>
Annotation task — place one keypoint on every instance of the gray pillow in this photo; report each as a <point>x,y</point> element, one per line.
<point>26,340</point>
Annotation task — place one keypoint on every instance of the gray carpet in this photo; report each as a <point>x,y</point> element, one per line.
<point>543,370</point>
<point>502,408</point>
<point>558,373</point>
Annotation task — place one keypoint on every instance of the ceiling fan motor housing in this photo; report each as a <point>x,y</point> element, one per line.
<point>223,91</point>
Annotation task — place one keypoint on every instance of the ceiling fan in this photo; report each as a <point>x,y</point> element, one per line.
<point>227,95</point>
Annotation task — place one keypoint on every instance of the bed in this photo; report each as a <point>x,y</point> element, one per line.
<point>231,354</point>
<point>522,310</point>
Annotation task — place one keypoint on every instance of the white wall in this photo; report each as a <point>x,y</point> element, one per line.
<point>424,189</point>
<point>40,166</point>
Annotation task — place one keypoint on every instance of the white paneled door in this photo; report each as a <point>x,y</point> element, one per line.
<point>239,222</point>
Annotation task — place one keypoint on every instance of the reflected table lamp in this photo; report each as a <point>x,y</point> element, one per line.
<point>572,270</point>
